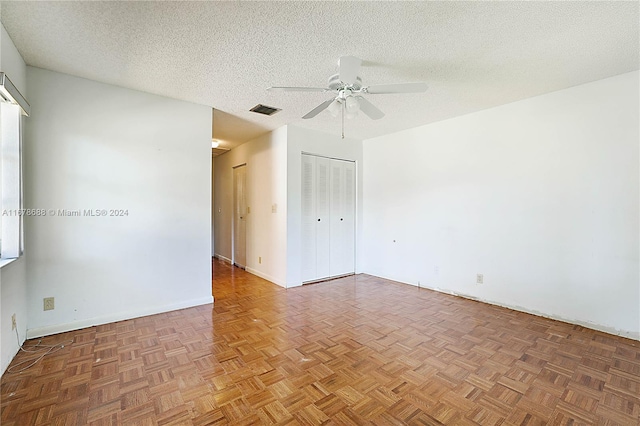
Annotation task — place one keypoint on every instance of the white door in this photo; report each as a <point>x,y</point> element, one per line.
<point>240,216</point>
<point>328,217</point>
<point>337,219</point>
<point>309,218</point>
<point>342,217</point>
<point>348,219</point>
<point>323,221</point>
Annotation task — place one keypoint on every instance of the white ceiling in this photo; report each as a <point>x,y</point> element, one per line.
<point>473,55</point>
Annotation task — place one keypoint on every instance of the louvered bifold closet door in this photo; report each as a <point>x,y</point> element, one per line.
<point>350,216</point>
<point>337,200</point>
<point>323,212</point>
<point>309,218</point>
<point>328,217</point>
<point>342,217</point>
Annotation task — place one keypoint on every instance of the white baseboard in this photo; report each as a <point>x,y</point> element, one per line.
<point>593,326</point>
<point>120,316</point>
<point>266,277</point>
<point>586,324</point>
<point>222,258</point>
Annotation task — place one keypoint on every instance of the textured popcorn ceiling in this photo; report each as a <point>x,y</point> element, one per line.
<point>473,55</point>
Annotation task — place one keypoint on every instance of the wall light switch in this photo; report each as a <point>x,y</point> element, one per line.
<point>274,208</point>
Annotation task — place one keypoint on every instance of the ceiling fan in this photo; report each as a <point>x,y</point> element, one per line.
<point>348,90</point>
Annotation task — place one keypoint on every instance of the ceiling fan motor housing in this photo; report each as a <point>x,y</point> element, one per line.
<point>336,84</point>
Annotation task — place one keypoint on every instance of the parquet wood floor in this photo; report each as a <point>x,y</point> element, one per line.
<point>358,350</point>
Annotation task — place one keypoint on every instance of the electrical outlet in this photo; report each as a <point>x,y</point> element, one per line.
<point>479,279</point>
<point>260,259</point>
<point>13,322</point>
<point>49,304</point>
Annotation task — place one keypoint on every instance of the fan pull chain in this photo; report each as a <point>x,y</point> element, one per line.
<point>343,108</point>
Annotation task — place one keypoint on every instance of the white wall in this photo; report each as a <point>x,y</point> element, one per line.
<point>541,196</point>
<point>266,160</point>
<point>95,146</point>
<point>318,143</point>
<point>13,282</point>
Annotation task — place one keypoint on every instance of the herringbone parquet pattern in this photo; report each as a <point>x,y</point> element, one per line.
<point>359,350</point>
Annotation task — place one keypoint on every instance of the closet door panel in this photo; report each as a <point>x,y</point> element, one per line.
<point>309,218</point>
<point>337,219</point>
<point>348,234</point>
<point>343,235</point>
<point>323,213</point>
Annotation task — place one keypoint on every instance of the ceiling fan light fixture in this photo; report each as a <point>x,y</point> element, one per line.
<point>335,107</point>
<point>352,106</point>
<point>215,143</point>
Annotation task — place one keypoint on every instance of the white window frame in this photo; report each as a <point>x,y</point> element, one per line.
<point>12,107</point>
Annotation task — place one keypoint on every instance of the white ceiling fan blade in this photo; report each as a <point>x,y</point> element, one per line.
<point>349,69</point>
<point>317,110</point>
<point>370,109</point>
<point>298,89</point>
<point>396,88</point>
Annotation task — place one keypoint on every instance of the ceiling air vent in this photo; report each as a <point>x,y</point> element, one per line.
<point>263,109</point>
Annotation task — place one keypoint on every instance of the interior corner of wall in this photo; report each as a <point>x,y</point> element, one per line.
<point>293,284</point>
